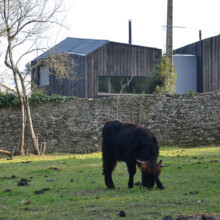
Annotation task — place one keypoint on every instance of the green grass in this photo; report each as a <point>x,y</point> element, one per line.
<point>77,190</point>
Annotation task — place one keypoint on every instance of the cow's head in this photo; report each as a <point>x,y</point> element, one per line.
<point>150,172</point>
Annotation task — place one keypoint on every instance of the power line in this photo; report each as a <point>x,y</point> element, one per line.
<point>165,26</point>
<point>194,29</point>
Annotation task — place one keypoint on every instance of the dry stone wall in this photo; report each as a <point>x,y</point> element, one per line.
<point>75,126</point>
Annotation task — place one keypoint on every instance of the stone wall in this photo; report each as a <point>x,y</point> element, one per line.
<point>75,126</point>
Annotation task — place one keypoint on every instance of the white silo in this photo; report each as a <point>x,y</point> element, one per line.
<point>186,70</point>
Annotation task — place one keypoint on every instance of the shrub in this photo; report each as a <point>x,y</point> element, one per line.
<point>10,99</point>
<point>163,78</point>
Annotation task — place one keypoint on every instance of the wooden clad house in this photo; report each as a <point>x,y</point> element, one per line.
<point>100,67</point>
<point>207,52</point>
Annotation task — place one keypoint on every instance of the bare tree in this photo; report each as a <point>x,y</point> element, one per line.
<point>23,25</point>
<point>123,87</point>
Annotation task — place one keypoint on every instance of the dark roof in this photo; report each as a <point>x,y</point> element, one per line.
<point>197,42</point>
<point>76,46</point>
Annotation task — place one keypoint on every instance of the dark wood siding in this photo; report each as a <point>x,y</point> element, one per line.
<point>116,59</point>
<point>73,85</point>
<point>128,60</point>
<point>211,64</point>
<point>208,62</point>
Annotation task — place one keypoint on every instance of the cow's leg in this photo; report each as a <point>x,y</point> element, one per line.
<point>159,184</point>
<point>132,170</point>
<point>108,167</point>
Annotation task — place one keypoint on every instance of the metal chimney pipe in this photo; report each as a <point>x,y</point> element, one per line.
<point>129,32</point>
<point>200,35</point>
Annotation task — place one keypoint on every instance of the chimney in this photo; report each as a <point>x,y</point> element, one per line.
<point>129,32</point>
<point>200,35</point>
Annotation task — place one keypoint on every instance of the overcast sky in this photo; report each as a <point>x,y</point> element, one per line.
<point>108,19</point>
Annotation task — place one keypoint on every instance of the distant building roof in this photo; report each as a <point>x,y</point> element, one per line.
<point>76,46</point>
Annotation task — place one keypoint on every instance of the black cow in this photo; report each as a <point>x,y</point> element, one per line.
<point>133,144</point>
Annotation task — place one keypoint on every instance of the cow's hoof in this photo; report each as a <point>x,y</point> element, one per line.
<point>162,187</point>
<point>138,184</point>
<point>148,188</point>
<point>122,214</point>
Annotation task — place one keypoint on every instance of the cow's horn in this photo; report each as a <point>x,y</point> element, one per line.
<point>139,161</point>
<point>164,165</point>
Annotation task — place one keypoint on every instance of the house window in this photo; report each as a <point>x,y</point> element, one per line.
<point>103,84</point>
<point>114,84</point>
<point>44,76</point>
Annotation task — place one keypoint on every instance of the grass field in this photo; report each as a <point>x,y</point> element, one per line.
<point>67,186</point>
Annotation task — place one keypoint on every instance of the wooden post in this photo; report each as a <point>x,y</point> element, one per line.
<point>169,40</point>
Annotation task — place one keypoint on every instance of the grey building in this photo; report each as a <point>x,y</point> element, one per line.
<point>100,67</point>
<point>207,54</point>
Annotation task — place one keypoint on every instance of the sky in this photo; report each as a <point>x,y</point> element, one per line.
<point>108,20</point>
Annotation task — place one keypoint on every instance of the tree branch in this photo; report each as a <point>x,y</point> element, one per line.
<point>8,88</point>
<point>119,96</point>
<point>5,152</point>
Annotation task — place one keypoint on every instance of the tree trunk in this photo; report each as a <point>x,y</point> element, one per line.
<point>31,129</point>
<point>29,118</point>
<point>21,150</point>
<point>24,22</point>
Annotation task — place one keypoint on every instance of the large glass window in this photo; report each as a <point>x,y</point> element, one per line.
<point>103,84</point>
<point>116,84</point>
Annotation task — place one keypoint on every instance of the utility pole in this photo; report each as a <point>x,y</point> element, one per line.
<point>169,40</point>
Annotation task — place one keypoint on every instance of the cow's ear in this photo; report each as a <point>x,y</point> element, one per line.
<point>144,167</point>
<point>161,165</point>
